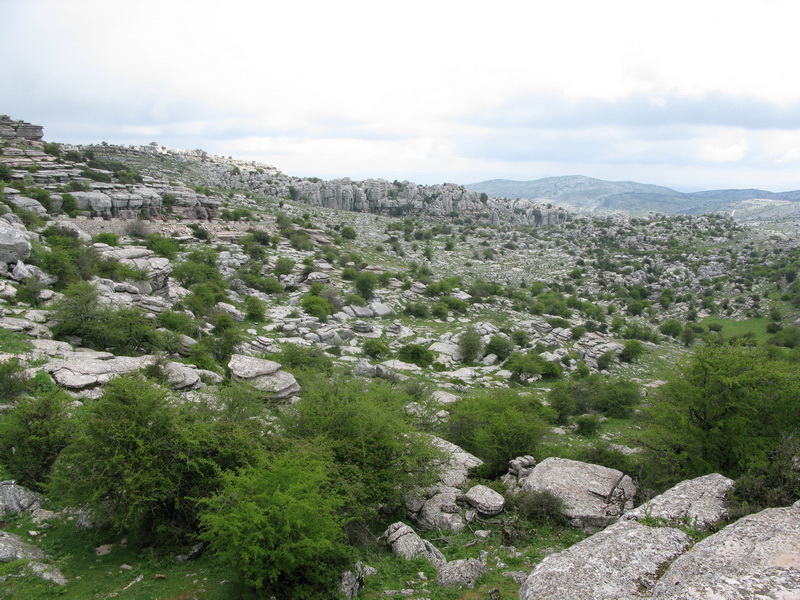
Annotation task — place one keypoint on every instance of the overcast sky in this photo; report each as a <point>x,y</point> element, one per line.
<point>698,94</point>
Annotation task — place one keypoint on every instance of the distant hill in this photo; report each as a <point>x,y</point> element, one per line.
<point>596,196</point>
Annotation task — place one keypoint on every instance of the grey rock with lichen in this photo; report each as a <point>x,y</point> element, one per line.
<point>621,562</point>
<point>461,572</point>
<point>405,542</point>
<point>595,496</point>
<point>14,246</point>
<point>699,502</point>
<point>758,556</point>
<point>265,375</point>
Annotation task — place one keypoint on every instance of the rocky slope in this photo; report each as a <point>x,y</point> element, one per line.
<point>445,266</point>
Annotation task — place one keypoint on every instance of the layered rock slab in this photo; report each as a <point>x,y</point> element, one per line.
<point>622,562</point>
<point>757,557</point>
<point>265,375</point>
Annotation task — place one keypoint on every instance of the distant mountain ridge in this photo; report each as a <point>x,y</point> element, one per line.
<point>588,195</point>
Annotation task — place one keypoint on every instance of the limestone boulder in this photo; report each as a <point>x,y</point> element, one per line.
<point>758,556</point>
<point>518,469</point>
<point>485,500</point>
<point>14,246</point>
<point>461,572</point>
<point>448,350</point>
<point>12,547</point>
<point>457,462</point>
<point>441,511</point>
<point>622,562</point>
<point>265,375</point>
<point>595,496</point>
<point>405,542</point>
<point>700,502</point>
<point>78,370</point>
<point>15,499</point>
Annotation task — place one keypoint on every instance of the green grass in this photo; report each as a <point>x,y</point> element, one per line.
<point>91,576</point>
<point>13,342</point>
<point>537,542</point>
<point>731,328</point>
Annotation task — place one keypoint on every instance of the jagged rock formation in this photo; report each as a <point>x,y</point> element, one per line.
<point>19,129</point>
<point>370,195</point>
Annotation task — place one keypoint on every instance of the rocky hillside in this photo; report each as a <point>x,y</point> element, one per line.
<point>422,360</point>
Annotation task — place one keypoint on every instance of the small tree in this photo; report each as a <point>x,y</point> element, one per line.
<point>279,525</point>
<point>470,344</point>
<point>365,283</point>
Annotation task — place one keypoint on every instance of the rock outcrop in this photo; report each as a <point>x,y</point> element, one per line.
<point>15,499</point>
<point>758,556</point>
<point>14,245</point>
<point>265,375</point>
<point>595,496</point>
<point>700,503</point>
<point>20,130</point>
<point>622,562</point>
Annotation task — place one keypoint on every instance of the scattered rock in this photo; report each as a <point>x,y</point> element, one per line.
<point>13,548</point>
<point>15,499</point>
<point>264,375</point>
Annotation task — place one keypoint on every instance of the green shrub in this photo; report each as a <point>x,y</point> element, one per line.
<point>255,309</point>
<point>632,350</point>
<point>671,327</point>
<point>417,309</point>
<point>69,205</point>
<point>32,436</point>
<point>162,246</point>
<point>587,425</point>
<point>283,266</point>
<point>279,525</point>
<point>12,381</point>
<point>470,344</point>
<point>524,366</point>
<point>416,354</point>
<point>496,427</point>
<point>316,307</point>
<point>375,348</point>
<point>439,311</point>
<point>365,283</point>
<point>542,507</point>
<point>297,358</point>
<point>112,239</point>
<point>378,454</point>
<point>132,461</point>
<point>348,233</point>
<point>726,411</point>
<point>178,322</point>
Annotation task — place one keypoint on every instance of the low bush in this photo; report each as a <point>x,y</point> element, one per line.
<point>542,507</point>
<point>416,354</point>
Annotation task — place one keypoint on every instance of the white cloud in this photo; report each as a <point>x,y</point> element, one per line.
<point>434,90</point>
